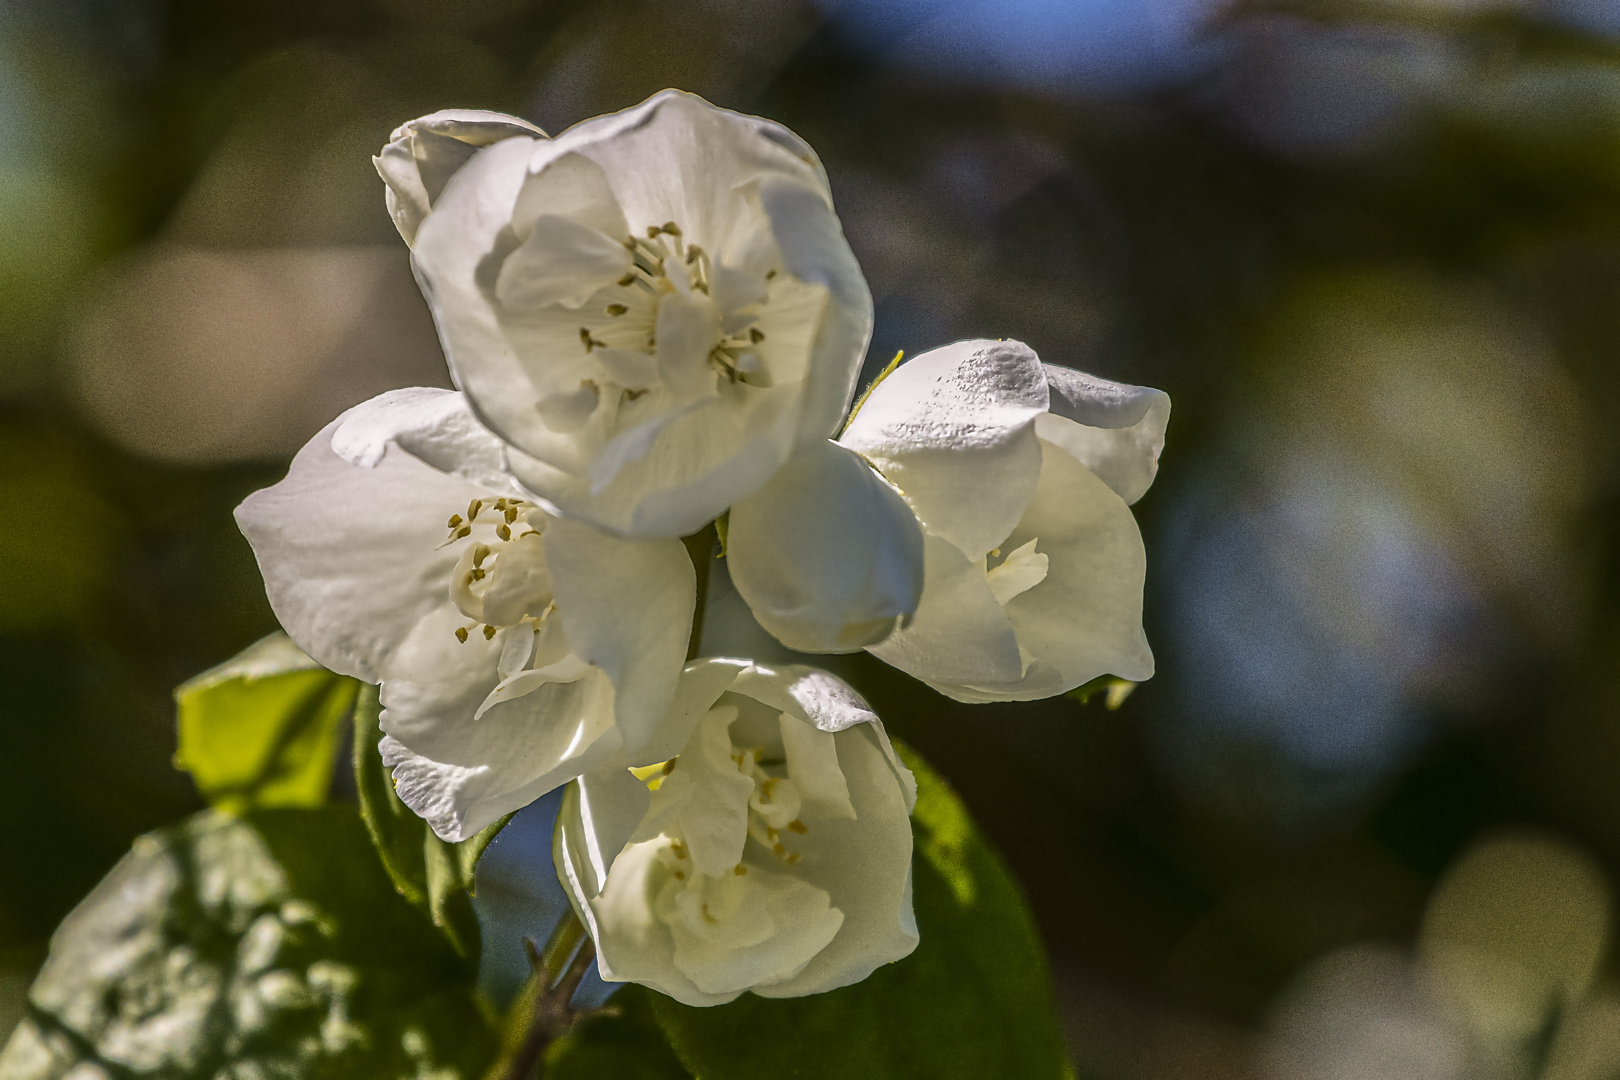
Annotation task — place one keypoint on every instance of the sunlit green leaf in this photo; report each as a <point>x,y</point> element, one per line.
<point>241,947</point>
<point>432,874</point>
<point>974,1000</point>
<point>263,728</point>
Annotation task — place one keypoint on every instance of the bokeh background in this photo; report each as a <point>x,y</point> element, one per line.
<point>1365,823</point>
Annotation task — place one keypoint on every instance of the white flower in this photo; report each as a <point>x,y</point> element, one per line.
<point>514,649</point>
<point>773,853</point>
<point>653,310</point>
<point>424,153</point>
<point>1021,474</point>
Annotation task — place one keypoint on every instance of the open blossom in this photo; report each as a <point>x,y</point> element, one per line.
<point>514,649</point>
<point>653,310</point>
<point>423,154</point>
<point>1021,474</point>
<point>771,852</point>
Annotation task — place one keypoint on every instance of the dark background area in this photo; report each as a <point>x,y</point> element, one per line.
<point>1372,251</point>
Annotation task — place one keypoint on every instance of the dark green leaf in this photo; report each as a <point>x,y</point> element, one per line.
<point>262,729</point>
<point>261,946</point>
<point>1113,688</point>
<point>434,875</point>
<point>974,1000</point>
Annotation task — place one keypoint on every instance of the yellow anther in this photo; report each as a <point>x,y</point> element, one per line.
<point>462,533</point>
<point>476,574</point>
<point>511,514</point>
<point>678,849</point>
<point>616,310</point>
<point>489,633</point>
<point>694,253</point>
<point>740,870</point>
<point>755,335</point>
<point>771,834</point>
<point>778,849</point>
<point>792,858</point>
<point>455,521</point>
<point>770,275</point>
<point>798,826</point>
<point>480,553</point>
<point>503,532</point>
<point>473,508</point>
<point>680,875</point>
<point>669,766</point>
<point>628,280</point>
<point>671,228</point>
<point>461,634</point>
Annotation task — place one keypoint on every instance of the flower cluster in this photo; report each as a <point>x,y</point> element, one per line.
<point>655,322</point>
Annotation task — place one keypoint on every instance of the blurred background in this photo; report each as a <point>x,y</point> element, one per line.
<point>1365,823</point>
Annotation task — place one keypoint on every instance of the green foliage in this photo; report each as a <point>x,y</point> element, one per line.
<point>269,945</point>
<point>434,875</point>
<point>974,1000</point>
<point>262,729</point>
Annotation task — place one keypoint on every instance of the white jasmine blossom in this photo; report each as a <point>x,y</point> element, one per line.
<point>770,852</point>
<point>513,648</point>
<point>653,310</point>
<point>424,153</point>
<point>1021,474</point>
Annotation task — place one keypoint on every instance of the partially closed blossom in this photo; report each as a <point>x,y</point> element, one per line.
<point>514,649</point>
<point>423,154</point>
<point>1021,474</point>
<point>653,309</point>
<point>770,852</point>
<point>826,554</point>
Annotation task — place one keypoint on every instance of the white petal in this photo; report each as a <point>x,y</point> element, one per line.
<point>813,248</point>
<point>960,633</point>
<point>701,684</point>
<point>706,798</point>
<point>626,606</point>
<point>431,424</point>
<point>352,556</point>
<point>562,262</point>
<point>610,804</point>
<point>424,153</point>
<point>1114,429</point>
<point>812,757</point>
<point>1085,618</point>
<point>799,922</point>
<point>827,555</point>
<point>954,429</point>
<point>570,186</point>
<point>688,330</point>
<point>864,865</point>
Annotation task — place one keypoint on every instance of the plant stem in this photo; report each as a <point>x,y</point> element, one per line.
<point>548,1000</point>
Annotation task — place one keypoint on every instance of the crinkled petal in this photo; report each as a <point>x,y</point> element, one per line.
<point>819,698</point>
<point>1113,429</point>
<point>352,555</point>
<point>954,430</point>
<point>428,423</point>
<point>826,554</point>
<point>960,634</point>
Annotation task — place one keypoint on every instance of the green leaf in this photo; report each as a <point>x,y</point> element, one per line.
<point>434,875</point>
<point>265,945</point>
<point>974,1000</point>
<point>262,729</point>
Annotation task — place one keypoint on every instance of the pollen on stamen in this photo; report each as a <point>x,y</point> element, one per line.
<point>503,531</point>
<point>740,870</point>
<point>798,826</point>
<point>616,310</point>
<point>791,859</point>
<point>461,634</point>
<point>511,514</point>
<point>489,635</point>
<point>627,281</point>
<point>454,522</point>
<point>462,533</point>
<point>778,849</point>
<point>473,508</point>
<point>755,335</point>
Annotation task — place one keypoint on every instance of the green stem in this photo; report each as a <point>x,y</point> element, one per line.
<point>556,971</point>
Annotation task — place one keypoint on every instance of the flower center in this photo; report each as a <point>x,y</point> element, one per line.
<point>501,578</point>
<point>677,320</point>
